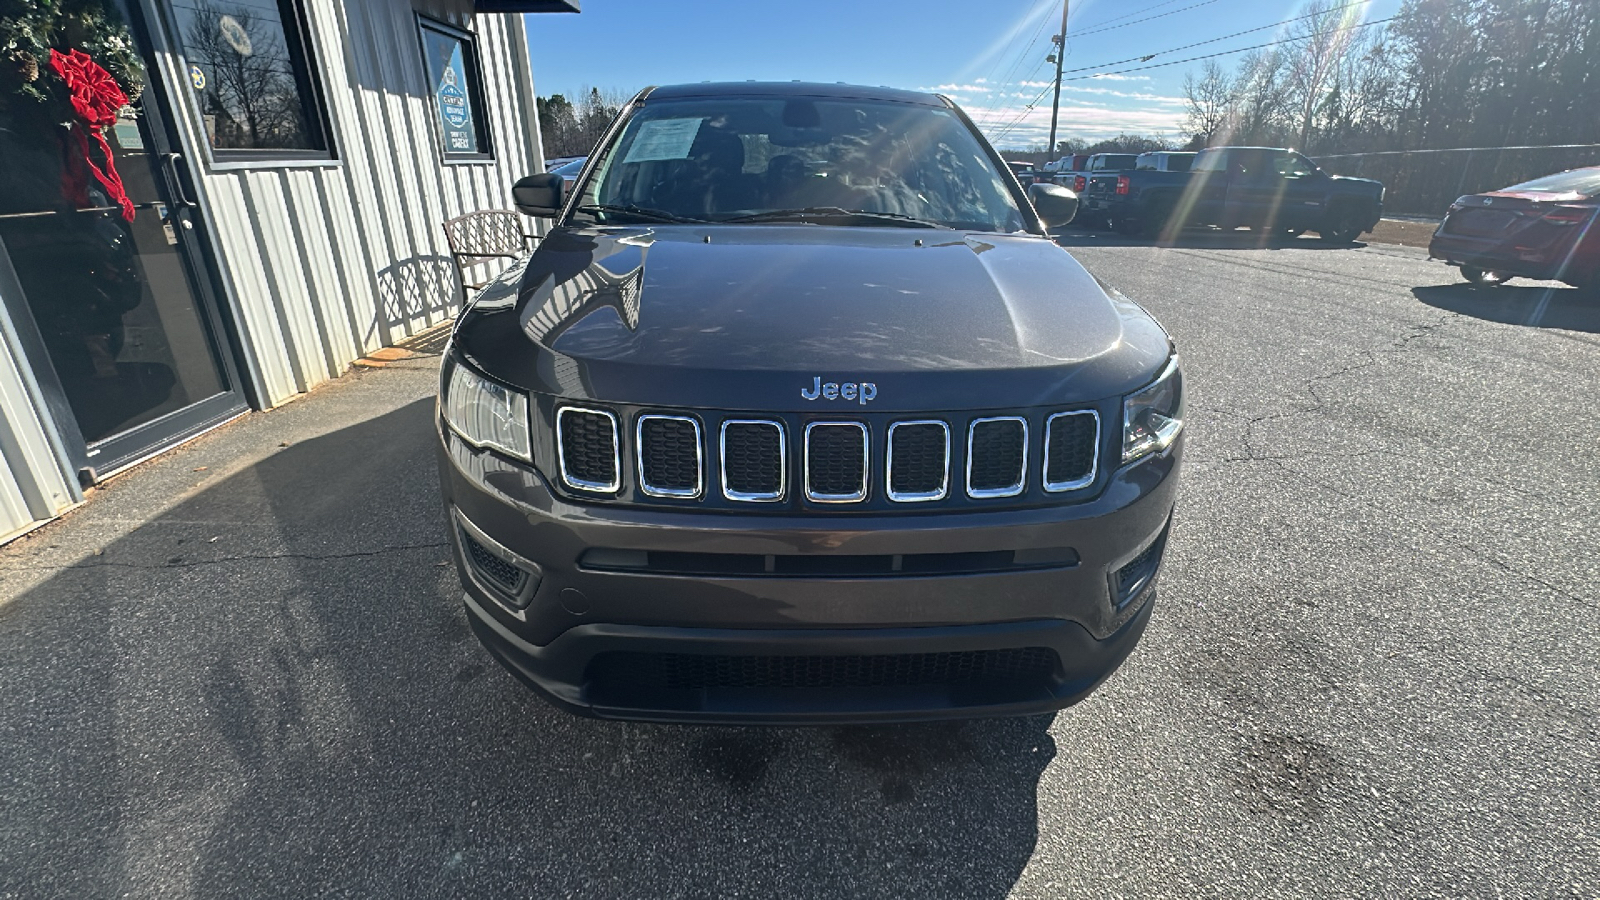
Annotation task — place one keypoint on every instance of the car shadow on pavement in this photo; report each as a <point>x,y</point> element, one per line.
<point>1198,238</point>
<point>271,690</point>
<point>1512,304</point>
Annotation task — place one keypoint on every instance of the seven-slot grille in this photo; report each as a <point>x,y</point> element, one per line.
<point>836,462</point>
<point>997,457</point>
<point>668,448</point>
<point>835,457</point>
<point>586,439</point>
<point>754,464</point>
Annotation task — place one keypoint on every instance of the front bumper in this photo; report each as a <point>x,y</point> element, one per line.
<point>794,648</point>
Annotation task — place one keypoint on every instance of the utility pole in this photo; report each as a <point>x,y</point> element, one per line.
<point>1061,52</point>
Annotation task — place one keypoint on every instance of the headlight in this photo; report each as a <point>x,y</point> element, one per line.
<point>487,414</point>
<point>1152,418</point>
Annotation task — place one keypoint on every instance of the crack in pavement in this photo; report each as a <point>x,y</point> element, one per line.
<point>1318,401</point>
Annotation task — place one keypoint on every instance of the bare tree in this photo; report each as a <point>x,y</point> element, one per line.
<point>251,89</point>
<point>1211,100</point>
<point>1261,97</point>
<point>1320,39</point>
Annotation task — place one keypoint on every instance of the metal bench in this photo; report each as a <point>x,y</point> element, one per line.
<point>479,238</point>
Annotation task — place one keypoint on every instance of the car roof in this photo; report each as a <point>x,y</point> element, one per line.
<point>792,89</point>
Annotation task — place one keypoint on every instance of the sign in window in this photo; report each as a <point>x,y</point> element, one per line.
<point>451,62</point>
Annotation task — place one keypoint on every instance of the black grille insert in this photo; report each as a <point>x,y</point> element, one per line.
<point>836,462</point>
<point>919,461</point>
<point>1130,581</point>
<point>693,672</point>
<point>588,445</point>
<point>752,460</point>
<point>495,570</point>
<point>1071,443</point>
<point>669,456</point>
<point>996,451</point>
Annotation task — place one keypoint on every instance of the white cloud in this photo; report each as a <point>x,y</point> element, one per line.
<point>1108,92</point>
<point>1113,76</point>
<point>962,88</point>
<point>1079,119</point>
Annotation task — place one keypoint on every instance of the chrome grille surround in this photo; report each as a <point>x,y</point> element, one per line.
<point>640,448</point>
<point>581,484</point>
<point>1094,460</point>
<point>866,464</point>
<point>1010,490</point>
<point>783,463</point>
<point>924,496</point>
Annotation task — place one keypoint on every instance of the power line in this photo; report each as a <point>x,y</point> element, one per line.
<point>1151,18</point>
<point>1023,115</point>
<point>1138,12</point>
<point>1179,62</point>
<point>1006,82</point>
<point>1149,56</point>
<point>1000,58</point>
<point>1029,107</point>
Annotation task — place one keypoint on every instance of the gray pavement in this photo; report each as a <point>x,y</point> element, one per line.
<point>243,670</point>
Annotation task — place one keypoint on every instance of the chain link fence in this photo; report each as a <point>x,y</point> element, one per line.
<point>1424,182</point>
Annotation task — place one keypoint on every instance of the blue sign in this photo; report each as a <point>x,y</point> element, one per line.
<point>455,110</point>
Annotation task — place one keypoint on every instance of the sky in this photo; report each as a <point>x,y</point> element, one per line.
<point>988,55</point>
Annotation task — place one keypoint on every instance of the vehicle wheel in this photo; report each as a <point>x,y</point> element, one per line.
<point>1342,229</point>
<point>1487,278</point>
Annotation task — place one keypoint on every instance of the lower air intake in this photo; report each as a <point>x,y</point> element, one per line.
<point>490,567</point>
<point>693,672</point>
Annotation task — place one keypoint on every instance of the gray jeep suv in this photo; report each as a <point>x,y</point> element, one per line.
<point>797,414</point>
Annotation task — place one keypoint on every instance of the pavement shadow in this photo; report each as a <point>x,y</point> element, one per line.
<point>1527,305</point>
<point>271,690</point>
<point>1199,238</point>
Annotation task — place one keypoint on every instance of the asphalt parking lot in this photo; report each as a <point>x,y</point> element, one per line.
<point>1373,670</point>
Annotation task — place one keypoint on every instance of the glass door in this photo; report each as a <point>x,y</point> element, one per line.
<point>104,241</point>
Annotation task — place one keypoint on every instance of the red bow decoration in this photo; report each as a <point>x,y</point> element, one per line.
<point>97,100</point>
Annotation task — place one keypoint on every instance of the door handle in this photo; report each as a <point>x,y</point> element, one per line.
<point>177,168</point>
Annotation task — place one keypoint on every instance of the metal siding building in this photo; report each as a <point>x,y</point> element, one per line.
<point>300,263</point>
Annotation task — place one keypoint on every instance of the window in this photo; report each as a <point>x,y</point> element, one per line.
<point>249,65</point>
<point>1293,165</point>
<point>450,60</point>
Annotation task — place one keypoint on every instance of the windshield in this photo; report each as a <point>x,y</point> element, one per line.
<point>1578,181</point>
<point>822,161</point>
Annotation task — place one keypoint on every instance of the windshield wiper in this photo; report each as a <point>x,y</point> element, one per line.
<point>659,215</point>
<point>835,212</point>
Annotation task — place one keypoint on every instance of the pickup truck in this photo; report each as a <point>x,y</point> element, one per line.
<point>1265,188</point>
<point>1095,186</point>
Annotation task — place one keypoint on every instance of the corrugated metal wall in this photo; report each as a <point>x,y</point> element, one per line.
<point>33,480</point>
<point>326,262</point>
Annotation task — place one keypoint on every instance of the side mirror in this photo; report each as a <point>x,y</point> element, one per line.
<point>1054,204</point>
<point>538,195</point>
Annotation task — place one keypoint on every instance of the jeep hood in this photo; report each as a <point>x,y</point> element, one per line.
<point>745,317</point>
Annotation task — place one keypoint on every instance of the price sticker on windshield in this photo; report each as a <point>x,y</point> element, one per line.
<point>663,139</point>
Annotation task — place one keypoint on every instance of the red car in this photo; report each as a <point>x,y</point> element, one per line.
<point>1543,229</point>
